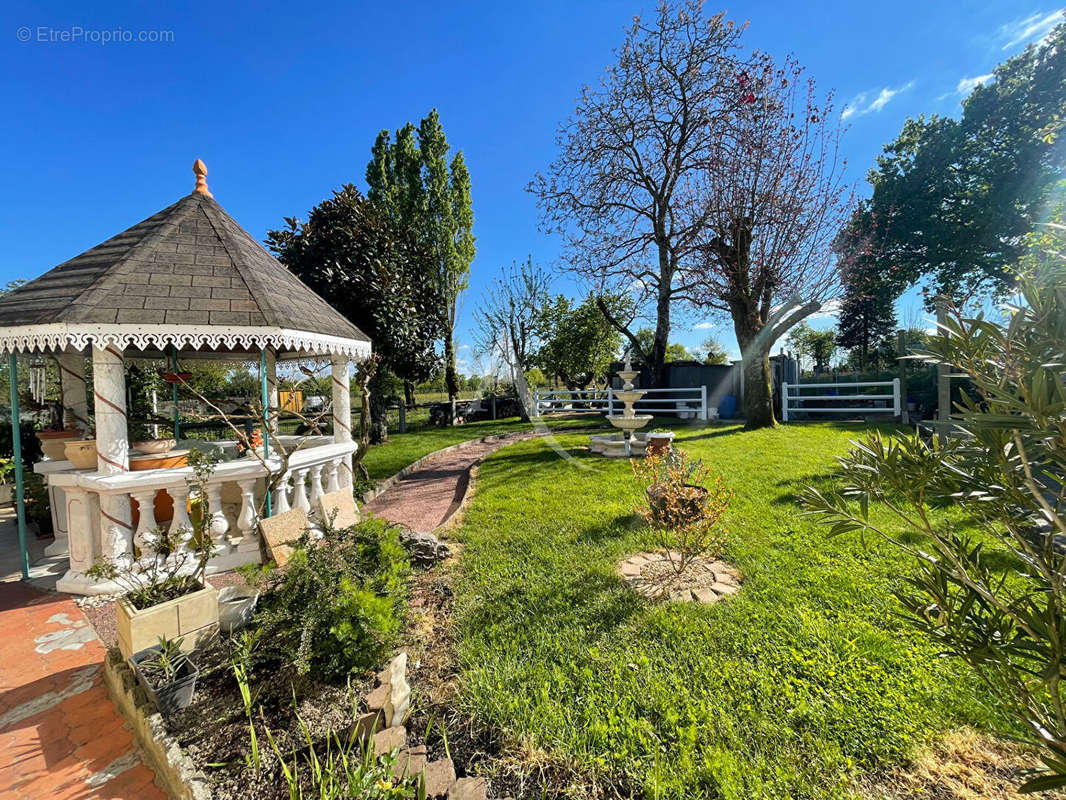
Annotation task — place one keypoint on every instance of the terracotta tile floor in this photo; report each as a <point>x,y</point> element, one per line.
<point>60,735</point>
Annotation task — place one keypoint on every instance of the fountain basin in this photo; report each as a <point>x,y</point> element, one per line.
<point>629,423</point>
<point>628,398</point>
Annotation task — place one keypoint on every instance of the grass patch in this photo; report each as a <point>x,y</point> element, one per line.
<point>402,449</point>
<point>803,681</point>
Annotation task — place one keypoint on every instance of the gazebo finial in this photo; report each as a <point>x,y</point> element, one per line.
<point>200,169</point>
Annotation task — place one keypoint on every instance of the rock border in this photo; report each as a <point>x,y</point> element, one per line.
<point>723,580</point>
<point>172,767</point>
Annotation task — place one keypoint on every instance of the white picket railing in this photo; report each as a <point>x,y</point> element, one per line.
<point>791,398</point>
<point>687,403</point>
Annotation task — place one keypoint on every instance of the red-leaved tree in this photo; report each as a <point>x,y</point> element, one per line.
<point>773,197</point>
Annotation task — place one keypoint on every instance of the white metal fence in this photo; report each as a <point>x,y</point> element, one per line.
<point>687,403</point>
<point>791,398</point>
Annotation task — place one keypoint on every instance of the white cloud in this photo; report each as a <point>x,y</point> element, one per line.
<point>858,105</point>
<point>703,326</point>
<point>464,347</point>
<point>1034,27</point>
<point>967,85</point>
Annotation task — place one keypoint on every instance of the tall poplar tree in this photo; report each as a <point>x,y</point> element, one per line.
<point>411,178</point>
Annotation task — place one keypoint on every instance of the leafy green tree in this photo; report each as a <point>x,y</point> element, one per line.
<point>413,181</point>
<point>818,346</point>
<point>867,316</point>
<point>371,269</point>
<point>578,344</point>
<point>674,351</point>
<point>711,351</point>
<point>1003,476</point>
<point>954,199</point>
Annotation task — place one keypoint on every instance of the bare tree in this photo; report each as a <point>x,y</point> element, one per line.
<point>508,317</point>
<point>772,200</point>
<point>624,187</point>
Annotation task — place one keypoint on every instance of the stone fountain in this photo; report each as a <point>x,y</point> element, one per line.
<point>628,422</point>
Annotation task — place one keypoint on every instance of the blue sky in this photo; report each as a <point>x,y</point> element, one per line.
<point>284,101</point>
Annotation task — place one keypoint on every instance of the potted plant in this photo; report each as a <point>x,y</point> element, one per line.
<point>54,440</point>
<point>167,674</point>
<point>166,594</point>
<point>685,513</point>
<point>659,440</point>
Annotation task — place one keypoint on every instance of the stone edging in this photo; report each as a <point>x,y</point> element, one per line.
<point>710,580</point>
<point>172,767</point>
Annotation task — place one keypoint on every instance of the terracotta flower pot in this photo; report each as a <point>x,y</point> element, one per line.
<point>54,442</point>
<point>151,447</point>
<point>659,442</point>
<point>81,453</point>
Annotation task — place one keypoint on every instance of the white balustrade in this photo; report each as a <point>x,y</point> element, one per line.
<point>299,495</point>
<point>281,495</point>
<point>144,536</point>
<point>332,476</point>
<point>219,525</point>
<point>247,519</point>
<point>180,525</point>
<point>97,506</point>
<point>316,487</point>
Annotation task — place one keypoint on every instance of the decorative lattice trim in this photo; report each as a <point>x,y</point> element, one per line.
<point>57,337</point>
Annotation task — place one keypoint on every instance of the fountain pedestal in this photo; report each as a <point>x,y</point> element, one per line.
<point>627,422</point>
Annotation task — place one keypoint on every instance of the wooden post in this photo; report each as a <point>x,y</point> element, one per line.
<point>901,346</point>
<point>943,375</point>
<point>403,417</point>
<point>492,402</point>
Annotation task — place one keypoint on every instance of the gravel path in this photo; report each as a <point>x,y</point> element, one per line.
<point>425,499</point>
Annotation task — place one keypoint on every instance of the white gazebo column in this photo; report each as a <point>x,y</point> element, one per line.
<point>272,413</point>
<point>112,451</point>
<point>73,387</point>
<point>342,412</point>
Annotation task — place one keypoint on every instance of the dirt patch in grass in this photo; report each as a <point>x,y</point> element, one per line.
<point>964,765</point>
<point>439,718</point>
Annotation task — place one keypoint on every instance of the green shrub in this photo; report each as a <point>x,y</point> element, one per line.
<point>337,604</point>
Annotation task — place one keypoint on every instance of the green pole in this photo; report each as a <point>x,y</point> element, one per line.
<point>16,440</point>
<point>174,392</point>
<point>264,390</point>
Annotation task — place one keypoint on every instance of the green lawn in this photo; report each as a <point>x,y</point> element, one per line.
<point>786,690</point>
<point>405,448</point>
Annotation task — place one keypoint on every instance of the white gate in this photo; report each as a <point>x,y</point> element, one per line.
<point>687,403</point>
<point>791,398</point>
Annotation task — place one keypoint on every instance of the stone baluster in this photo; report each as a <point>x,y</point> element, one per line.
<point>332,477</point>
<point>281,495</point>
<point>181,525</point>
<point>316,488</point>
<point>247,519</point>
<point>299,495</point>
<point>144,536</point>
<point>219,524</point>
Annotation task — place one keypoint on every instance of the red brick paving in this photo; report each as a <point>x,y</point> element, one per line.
<point>425,498</point>
<point>60,735</point>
